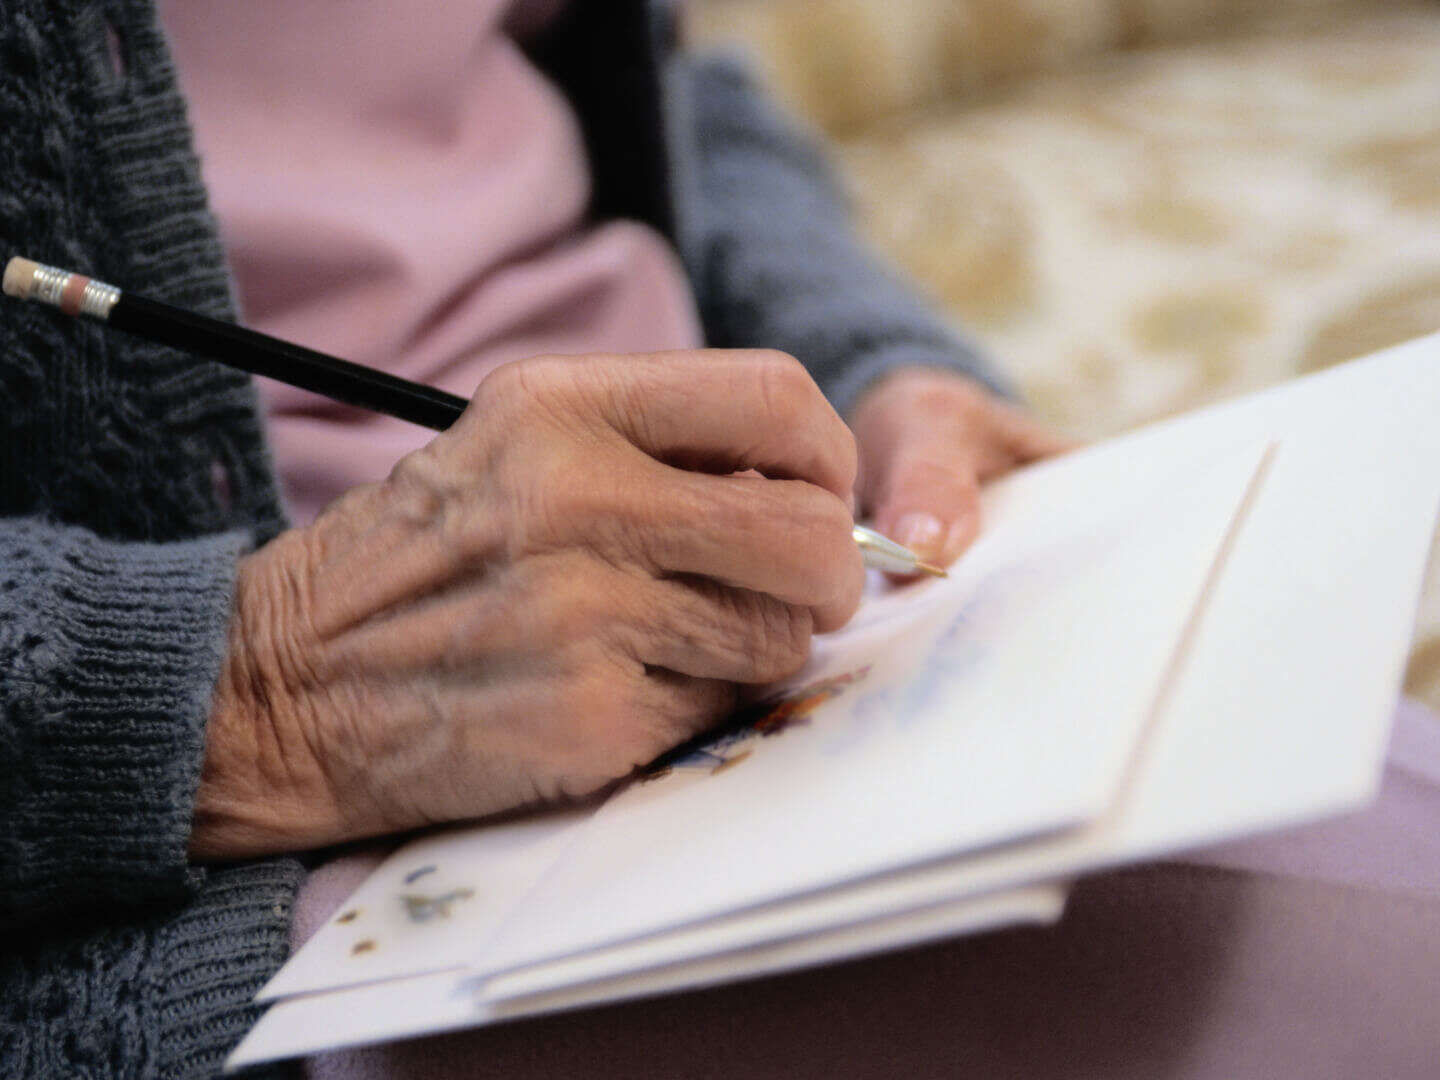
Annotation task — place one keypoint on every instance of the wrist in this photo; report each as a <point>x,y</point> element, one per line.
<point>262,789</point>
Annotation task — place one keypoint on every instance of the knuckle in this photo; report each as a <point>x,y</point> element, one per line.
<point>533,376</point>
<point>574,505</point>
<point>604,511</point>
<point>828,544</point>
<point>788,370</point>
<point>785,388</point>
<point>423,493</point>
<point>636,516</point>
<point>417,475</point>
<point>632,630</point>
<point>523,387</point>
<point>502,389</point>
<point>628,393</point>
<point>760,638</point>
<point>748,636</point>
<point>786,632</point>
<point>691,619</point>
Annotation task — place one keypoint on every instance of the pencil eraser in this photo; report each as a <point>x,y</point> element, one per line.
<point>20,277</point>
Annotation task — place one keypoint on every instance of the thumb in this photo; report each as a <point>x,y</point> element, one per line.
<point>927,500</point>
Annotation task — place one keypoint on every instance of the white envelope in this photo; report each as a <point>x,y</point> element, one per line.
<point>946,742</point>
<point>1279,708</point>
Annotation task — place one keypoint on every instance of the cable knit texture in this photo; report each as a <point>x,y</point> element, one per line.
<point>132,477</point>
<point>99,640</point>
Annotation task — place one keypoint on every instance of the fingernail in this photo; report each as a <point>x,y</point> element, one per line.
<point>921,533</point>
<point>961,533</point>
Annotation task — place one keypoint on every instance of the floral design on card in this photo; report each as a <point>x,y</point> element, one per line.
<point>716,753</point>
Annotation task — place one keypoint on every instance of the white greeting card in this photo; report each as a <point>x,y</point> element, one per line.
<point>1272,710</point>
<point>920,731</point>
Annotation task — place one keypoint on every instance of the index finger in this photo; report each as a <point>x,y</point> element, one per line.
<point>722,411</point>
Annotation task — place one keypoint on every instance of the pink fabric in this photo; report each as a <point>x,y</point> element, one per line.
<point>397,184</point>
<point>1310,953</point>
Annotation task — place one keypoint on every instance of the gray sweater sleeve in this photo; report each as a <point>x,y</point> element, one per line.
<point>766,233</point>
<point>109,653</point>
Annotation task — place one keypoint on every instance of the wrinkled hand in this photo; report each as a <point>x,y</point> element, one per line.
<point>928,439</point>
<point>564,585</point>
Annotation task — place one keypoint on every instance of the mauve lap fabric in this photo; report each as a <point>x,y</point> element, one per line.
<point>1310,953</point>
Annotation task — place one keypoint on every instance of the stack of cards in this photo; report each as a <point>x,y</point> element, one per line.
<point>1187,634</point>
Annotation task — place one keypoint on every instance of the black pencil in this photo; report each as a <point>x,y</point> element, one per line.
<point>249,350</point>
<point>340,380</point>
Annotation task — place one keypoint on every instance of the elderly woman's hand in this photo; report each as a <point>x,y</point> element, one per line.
<point>564,585</point>
<point>928,439</point>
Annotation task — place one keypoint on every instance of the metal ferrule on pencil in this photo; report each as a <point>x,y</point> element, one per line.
<point>74,294</point>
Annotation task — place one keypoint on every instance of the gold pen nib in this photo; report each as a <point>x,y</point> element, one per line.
<point>882,553</point>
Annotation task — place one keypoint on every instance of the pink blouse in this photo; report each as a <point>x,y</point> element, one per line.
<point>397,184</point>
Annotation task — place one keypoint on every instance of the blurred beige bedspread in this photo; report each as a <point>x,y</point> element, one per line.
<point>1138,205</point>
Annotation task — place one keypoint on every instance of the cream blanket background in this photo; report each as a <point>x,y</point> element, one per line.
<point>1138,205</point>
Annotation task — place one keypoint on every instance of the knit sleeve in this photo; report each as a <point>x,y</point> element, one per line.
<point>109,652</point>
<point>765,229</point>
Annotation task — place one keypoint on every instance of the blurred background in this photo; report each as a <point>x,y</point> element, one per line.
<point>1138,206</point>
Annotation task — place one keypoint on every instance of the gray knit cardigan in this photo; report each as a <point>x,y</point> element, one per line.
<point>132,478</point>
